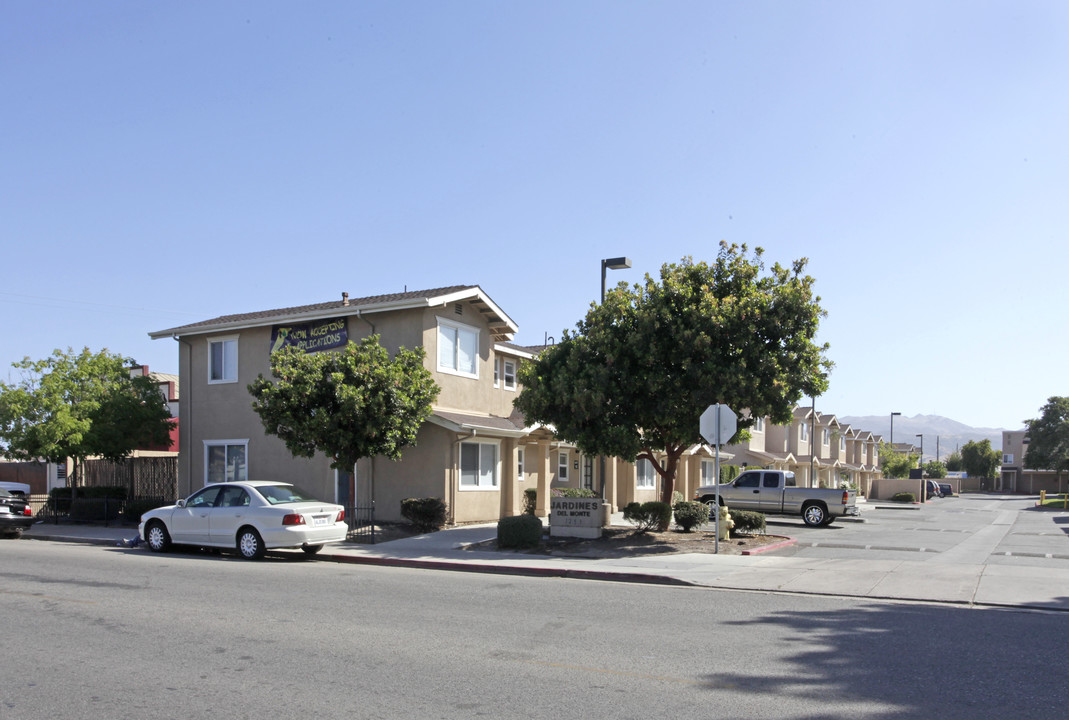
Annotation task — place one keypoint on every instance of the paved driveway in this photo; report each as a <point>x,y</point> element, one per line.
<point>974,529</point>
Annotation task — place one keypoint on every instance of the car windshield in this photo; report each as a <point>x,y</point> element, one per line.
<point>5,494</point>
<point>278,494</point>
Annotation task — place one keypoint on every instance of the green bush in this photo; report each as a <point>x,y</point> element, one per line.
<point>427,514</point>
<point>519,531</point>
<point>748,521</point>
<point>729,473</point>
<point>690,514</point>
<point>530,501</point>
<point>134,509</point>
<point>648,516</point>
<point>574,493</point>
<point>904,497</point>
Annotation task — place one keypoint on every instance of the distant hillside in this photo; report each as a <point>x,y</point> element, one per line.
<point>951,433</point>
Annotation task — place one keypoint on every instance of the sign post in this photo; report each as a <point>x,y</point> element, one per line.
<point>718,425</point>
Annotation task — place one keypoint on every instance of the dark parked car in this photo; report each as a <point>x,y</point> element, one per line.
<point>946,489</point>
<point>931,488</point>
<point>15,514</point>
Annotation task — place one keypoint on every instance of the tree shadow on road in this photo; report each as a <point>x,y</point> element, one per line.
<point>896,661</point>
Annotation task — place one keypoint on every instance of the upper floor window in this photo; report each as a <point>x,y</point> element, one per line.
<point>826,437</point>
<point>803,433</point>
<point>223,360</point>
<point>645,475</point>
<point>519,464</point>
<point>842,443</point>
<point>759,424</point>
<point>505,371</point>
<point>458,348</point>
<point>1007,458</point>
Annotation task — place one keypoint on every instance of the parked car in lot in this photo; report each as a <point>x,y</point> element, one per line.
<point>251,517</point>
<point>775,492</point>
<point>931,489</point>
<point>15,514</point>
<point>947,489</point>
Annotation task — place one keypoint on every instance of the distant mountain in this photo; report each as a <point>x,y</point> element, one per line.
<point>951,434</point>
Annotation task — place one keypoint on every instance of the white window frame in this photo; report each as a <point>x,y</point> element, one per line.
<point>485,479</point>
<point>759,424</point>
<point>804,432</point>
<point>227,362</point>
<point>644,480</point>
<point>1007,458</point>
<point>825,437</point>
<point>708,475</point>
<point>519,464</point>
<point>457,330</point>
<point>226,444</point>
<point>563,460</point>
<point>508,377</point>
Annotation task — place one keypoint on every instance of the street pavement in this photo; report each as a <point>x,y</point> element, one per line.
<point>973,550</point>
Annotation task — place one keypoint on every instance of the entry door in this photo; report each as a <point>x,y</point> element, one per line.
<point>588,472</point>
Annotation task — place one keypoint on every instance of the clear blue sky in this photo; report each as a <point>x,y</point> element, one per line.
<point>165,163</point>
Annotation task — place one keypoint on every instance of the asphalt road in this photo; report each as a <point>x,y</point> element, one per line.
<point>104,632</point>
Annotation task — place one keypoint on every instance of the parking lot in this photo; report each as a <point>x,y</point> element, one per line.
<point>972,528</point>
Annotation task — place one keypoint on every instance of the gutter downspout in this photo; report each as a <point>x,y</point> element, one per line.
<point>185,425</point>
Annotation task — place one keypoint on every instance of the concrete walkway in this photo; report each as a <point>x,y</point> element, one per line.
<point>969,571</point>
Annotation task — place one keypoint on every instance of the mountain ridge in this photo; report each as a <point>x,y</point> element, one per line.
<point>942,435</point>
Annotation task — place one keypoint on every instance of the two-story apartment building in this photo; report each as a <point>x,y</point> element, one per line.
<point>476,452</point>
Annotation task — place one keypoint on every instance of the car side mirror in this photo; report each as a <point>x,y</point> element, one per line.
<point>181,503</point>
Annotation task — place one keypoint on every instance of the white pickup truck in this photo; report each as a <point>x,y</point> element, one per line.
<point>774,492</point>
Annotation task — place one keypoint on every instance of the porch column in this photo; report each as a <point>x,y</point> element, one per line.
<point>544,477</point>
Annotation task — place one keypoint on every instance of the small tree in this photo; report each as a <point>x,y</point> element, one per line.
<point>79,406</point>
<point>1048,438</point>
<point>351,403</point>
<point>980,460</point>
<point>634,379</point>
<point>935,469</point>
<point>953,462</point>
<point>894,464</point>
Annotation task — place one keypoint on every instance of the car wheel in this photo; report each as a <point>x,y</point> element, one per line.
<point>814,515</point>
<point>156,537</point>
<point>250,544</point>
<point>311,550</point>
<point>14,534</point>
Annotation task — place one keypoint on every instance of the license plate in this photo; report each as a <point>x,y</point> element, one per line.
<point>320,520</point>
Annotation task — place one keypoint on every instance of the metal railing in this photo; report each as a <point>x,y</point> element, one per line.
<point>107,510</point>
<point>361,520</point>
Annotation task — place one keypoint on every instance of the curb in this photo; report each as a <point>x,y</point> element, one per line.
<point>786,542</point>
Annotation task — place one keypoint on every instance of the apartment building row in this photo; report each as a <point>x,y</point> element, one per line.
<point>475,452</point>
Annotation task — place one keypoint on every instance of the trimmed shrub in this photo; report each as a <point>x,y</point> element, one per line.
<point>427,514</point>
<point>575,493</point>
<point>134,509</point>
<point>519,531</point>
<point>729,473</point>
<point>530,501</point>
<point>648,516</point>
<point>690,514</point>
<point>748,521</point>
<point>904,497</point>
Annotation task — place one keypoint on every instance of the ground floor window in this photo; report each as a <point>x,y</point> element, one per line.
<point>645,475</point>
<point>478,466</point>
<point>226,461</point>
<point>708,472</point>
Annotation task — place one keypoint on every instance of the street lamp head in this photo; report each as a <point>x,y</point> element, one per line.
<point>894,413</point>
<point>617,263</point>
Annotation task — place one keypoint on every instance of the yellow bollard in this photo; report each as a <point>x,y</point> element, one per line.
<point>1042,497</point>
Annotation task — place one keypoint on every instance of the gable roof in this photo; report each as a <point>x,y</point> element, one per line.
<point>502,327</point>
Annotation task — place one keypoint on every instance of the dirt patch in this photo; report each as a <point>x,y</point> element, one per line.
<point>623,542</point>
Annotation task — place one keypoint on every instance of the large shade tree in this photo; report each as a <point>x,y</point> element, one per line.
<point>80,405</point>
<point>980,459</point>
<point>1048,438</point>
<point>635,376</point>
<point>350,403</point>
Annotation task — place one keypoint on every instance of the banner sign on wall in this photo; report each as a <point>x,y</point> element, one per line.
<point>310,337</point>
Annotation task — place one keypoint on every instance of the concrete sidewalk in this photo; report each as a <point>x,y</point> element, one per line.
<point>964,578</point>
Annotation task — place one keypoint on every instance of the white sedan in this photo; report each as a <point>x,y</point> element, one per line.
<point>249,516</point>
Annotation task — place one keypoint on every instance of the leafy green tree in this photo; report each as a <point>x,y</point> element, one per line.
<point>894,464</point>
<point>79,406</point>
<point>953,462</point>
<point>935,469</point>
<point>1048,438</point>
<point>636,375</point>
<point>351,403</point>
<point>980,460</point>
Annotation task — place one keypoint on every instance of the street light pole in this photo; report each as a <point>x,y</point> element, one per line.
<point>893,429</point>
<point>921,436</point>
<point>618,263</point>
